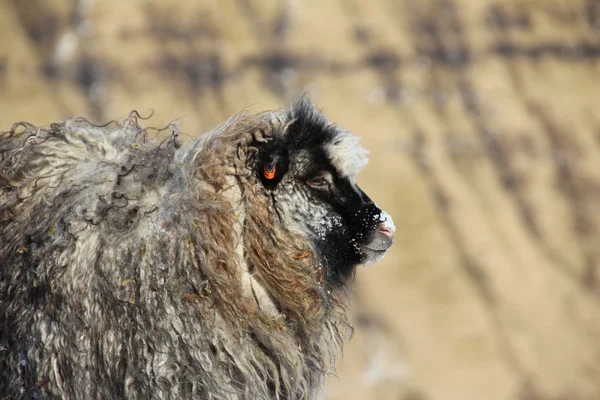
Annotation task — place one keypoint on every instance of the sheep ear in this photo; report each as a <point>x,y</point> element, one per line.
<point>272,167</point>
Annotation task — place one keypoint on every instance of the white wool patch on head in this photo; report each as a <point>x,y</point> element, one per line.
<point>346,155</point>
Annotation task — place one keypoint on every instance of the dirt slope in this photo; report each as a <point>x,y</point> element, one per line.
<point>484,127</point>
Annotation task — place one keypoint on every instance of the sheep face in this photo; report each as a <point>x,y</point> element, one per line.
<point>309,170</point>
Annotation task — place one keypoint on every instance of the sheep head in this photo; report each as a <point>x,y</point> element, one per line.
<point>307,167</point>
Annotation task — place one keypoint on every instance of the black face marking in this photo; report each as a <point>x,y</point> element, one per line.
<point>343,249</point>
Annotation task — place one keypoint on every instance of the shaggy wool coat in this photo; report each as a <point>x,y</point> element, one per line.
<point>134,267</point>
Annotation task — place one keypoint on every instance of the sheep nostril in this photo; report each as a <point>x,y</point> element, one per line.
<point>385,230</point>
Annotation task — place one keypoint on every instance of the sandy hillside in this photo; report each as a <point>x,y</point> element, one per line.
<point>483,122</point>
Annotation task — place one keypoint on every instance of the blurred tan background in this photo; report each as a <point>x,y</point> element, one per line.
<point>483,121</point>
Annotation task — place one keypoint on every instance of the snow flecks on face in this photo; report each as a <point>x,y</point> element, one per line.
<point>355,244</point>
<point>323,226</point>
<point>346,155</point>
<point>310,216</point>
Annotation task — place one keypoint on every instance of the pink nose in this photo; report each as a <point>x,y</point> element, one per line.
<point>385,230</point>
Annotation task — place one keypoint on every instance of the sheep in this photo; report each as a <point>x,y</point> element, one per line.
<point>132,267</point>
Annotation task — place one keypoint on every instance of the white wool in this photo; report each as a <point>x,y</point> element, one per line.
<point>347,156</point>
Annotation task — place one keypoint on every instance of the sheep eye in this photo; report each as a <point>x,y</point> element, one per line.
<point>318,182</point>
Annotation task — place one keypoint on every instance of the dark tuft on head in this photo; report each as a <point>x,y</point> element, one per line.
<point>310,129</point>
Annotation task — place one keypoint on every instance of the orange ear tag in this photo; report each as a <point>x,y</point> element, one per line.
<point>269,174</point>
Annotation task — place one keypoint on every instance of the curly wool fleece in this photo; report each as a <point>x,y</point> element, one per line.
<point>137,268</point>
